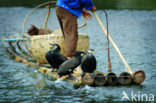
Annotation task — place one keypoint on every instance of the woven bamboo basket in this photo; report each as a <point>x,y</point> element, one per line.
<point>39,45</point>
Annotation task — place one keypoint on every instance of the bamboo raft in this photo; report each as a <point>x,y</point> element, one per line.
<point>30,50</point>
<point>19,54</point>
<point>16,52</point>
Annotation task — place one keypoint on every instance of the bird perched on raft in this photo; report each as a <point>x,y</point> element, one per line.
<point>88,63</point>
<point>54,58</point>
<point>38,31</point>
<point>68,66</point>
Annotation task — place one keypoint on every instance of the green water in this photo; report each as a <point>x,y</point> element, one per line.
<point>100,4</point>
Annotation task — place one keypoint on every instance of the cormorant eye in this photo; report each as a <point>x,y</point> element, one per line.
<point>51,48</point>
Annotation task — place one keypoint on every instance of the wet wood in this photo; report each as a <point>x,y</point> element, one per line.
<point>18,59</point>
<point>22,50</point>
<point>100,79</point>
<point>112,79</point>
<point>88,79</point>
<point>17,56</point>
<point>138,77</point>
<point>125,78</point>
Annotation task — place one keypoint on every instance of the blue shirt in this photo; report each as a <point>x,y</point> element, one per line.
<point>75,6</point>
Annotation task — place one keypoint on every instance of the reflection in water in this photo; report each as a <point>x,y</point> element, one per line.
<point>133,32</point>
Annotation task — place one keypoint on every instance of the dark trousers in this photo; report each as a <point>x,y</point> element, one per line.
<point>68,23</point>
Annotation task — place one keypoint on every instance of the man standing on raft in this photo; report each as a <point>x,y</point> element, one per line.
<point>67,12</point>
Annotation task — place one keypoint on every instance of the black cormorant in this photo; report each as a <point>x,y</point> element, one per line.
<point>68,66</point>
<point>88,63</point>
<point>54,58</point>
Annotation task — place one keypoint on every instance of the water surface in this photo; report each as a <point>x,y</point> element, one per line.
<point>133,31</point>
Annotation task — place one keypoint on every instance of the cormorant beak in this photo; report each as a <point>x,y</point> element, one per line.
<point>90,51</point>
<point>53,47</point>
<point>51,44</point>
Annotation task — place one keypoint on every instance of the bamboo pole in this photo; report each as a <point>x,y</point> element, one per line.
<point>16,39</point>
<point>109,61</point>
<point>114,45</point>
<point>46,21</point>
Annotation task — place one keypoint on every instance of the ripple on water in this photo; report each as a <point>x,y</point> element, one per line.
<point>132,31</point>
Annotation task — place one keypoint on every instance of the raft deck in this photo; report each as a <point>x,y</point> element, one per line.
<point>16,52</point>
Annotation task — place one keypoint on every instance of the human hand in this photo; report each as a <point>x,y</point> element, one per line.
<point>93,9</point>
<point>86,15</point>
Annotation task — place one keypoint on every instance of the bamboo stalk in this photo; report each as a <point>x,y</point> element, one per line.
<point>46,21</point>
<point>22,50</point>
<point>114,45</point>
<point>16,39</point>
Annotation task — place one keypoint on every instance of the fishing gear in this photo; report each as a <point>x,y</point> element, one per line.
<point>112,78</point>
<point>138,76</point>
